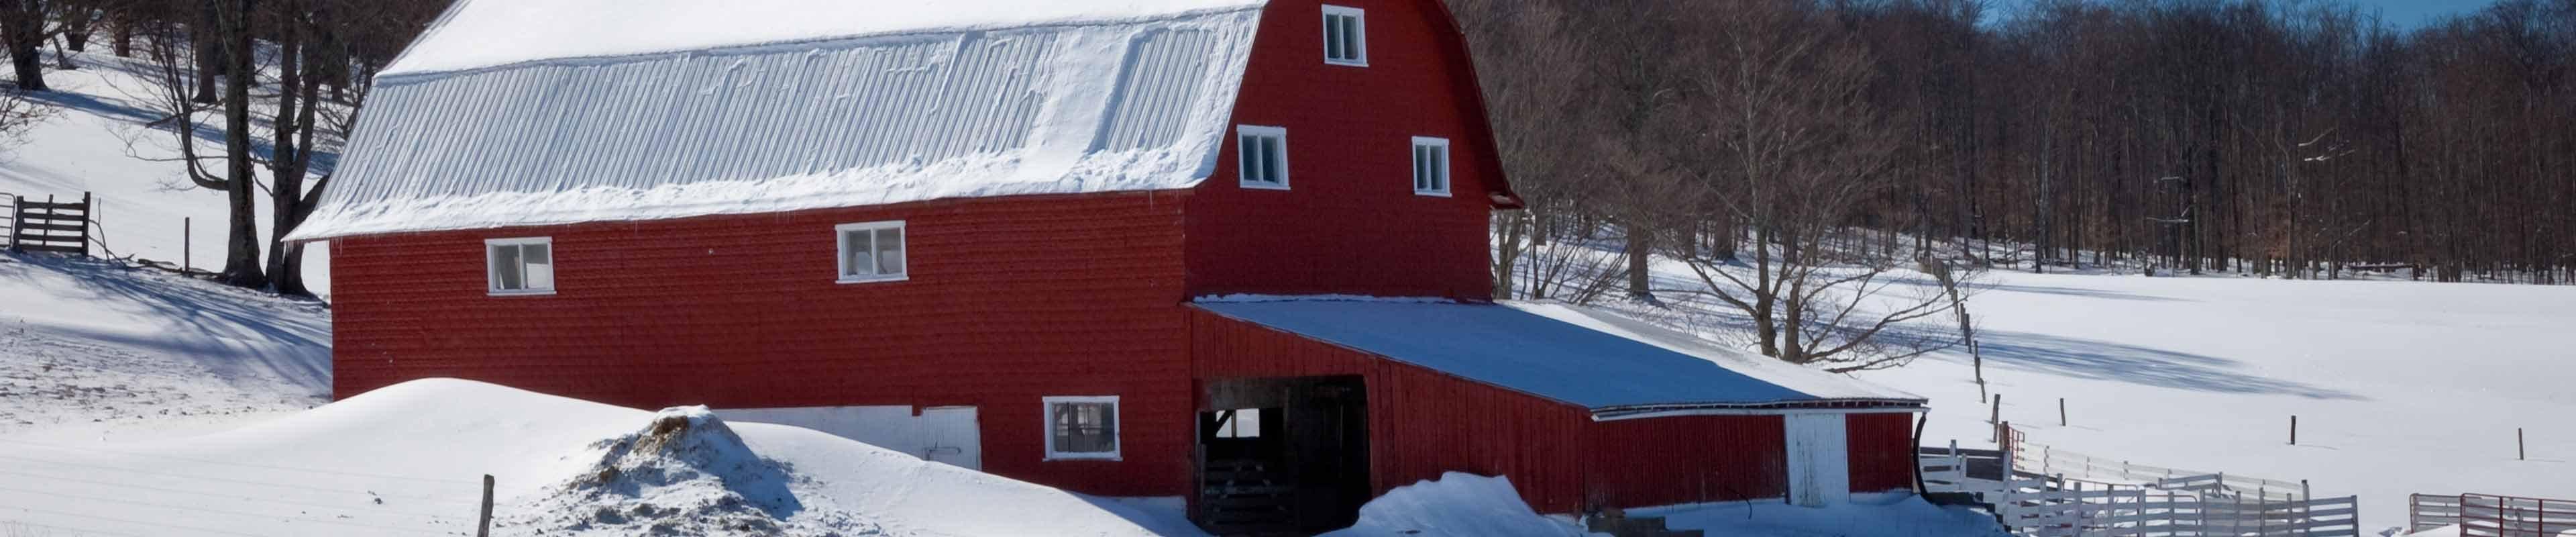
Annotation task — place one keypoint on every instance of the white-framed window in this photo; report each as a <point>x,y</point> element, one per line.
<point>1241,423</point>
<point>520,266</point>
<point>1264,156</point>
<point>1083,427</point>
<point>871,252</point>
<point>1345,36</point>
<point>1431,166</point>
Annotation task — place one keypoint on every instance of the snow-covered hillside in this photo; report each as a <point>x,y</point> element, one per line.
<point>96,142</point>
<point>2399,387</point>
<point>95,347</point>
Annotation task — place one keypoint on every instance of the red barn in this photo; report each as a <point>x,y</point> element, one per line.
<point>1119,247</point>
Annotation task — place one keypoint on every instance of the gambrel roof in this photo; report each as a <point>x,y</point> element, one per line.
<point>518,112</point>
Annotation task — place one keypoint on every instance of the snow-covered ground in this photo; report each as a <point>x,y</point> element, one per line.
<point>408,459</point>
<point>102,349</point>
<point>2399,387</point>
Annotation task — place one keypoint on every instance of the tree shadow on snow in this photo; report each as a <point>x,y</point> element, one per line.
<point>2100,360</point>
<point>2076,292</point>
<point>232,332</point>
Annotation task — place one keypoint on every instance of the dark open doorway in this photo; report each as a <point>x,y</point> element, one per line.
<point>1282,456</point>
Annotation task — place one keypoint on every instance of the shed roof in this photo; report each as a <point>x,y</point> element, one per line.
<point>516,112</point>
<point>1601,361</point>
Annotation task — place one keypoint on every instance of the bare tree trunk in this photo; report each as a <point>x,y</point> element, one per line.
<point>241,257</point>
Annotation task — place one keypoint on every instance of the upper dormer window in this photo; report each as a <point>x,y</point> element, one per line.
<point>1430,166</point>
<point>1345,36</point>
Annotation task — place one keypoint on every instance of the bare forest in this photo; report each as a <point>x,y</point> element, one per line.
<point>2292,139</point>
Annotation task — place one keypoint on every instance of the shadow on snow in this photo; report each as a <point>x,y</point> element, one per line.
<point>2099,360</point>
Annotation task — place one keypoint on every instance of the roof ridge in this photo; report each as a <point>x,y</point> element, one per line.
<point>395,76</point>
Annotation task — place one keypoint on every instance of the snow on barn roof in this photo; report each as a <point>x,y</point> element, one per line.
<point>1612,365</point>
<point>512,112</point>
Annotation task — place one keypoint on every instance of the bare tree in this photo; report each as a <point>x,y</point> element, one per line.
<point>172,51</point>
<point>24,28</point>
<point>1794,150</point>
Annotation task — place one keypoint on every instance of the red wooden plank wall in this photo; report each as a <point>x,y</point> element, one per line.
<point>1010,300</point>
<point>1689,459</point>
<point>1421,422</point>
<point>1882,451</point>
<point>1350,222</point>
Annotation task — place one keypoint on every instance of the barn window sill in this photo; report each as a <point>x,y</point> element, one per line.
<point>548,292</point>
<point>888,279</point>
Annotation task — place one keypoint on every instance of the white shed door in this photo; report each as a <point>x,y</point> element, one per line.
<point>951,436</point>
<point>946,434</point>
<point>1819,465</point>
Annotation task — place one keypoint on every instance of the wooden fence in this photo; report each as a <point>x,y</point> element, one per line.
<point>2060,505</point>
<point>2044,460</point>
<point>50,226</point>
<point>2488,515</point>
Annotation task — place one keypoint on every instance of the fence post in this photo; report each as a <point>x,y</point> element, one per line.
<point>2519,453</point>
<point>483,523</point>
<point>89,214</point>
<point>2061,412</point>
<point>2294,429</point>
<point>187,245</point>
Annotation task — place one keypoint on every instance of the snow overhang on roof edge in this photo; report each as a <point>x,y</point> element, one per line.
<point>1838,406</point>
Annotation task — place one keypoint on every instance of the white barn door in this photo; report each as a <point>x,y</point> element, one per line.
<point>1819,462</point>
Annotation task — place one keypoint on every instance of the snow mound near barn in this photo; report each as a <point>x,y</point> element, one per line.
<point>688,473</point>
<point>410,458</point>
<point>1456,504</point>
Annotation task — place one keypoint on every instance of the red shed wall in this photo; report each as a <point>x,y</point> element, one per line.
<point>1882,451</point>
<point>1688,459</point>
<point>1350,222</point>
<point>1421,422</point>
<point>1009,300</point>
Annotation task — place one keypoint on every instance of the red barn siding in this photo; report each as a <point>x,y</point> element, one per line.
<point>1421,422</point>
<point>1350,222</point>
<point>1010,299</point>
<point>1688,459</point>
<point>1882,451</point>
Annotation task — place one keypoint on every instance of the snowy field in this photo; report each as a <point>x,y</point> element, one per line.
<point>2399,387</point>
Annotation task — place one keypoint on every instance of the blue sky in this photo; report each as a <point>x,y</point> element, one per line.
<point>2404,14</point>
<point>2413,13</point>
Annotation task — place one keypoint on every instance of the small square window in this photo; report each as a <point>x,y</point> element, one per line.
<point>1082,428</point>
<point>1431,166</point>
<point>1345,36</point>
<point>1263,156</point>
<point>522,266</point>
<point>872,252</point>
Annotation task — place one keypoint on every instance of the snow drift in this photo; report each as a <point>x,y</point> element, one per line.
<point>409,458</point>
<point>687,473</point>
<point>1455,505</point>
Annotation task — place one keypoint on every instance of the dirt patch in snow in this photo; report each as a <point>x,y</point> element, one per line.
<point>686,473</point>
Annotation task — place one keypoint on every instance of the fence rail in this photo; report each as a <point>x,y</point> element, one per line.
<point>2044,460</point>
<point>2488,515</point>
